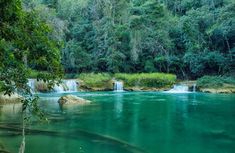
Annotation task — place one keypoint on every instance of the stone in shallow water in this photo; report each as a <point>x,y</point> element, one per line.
<point>71,100</point>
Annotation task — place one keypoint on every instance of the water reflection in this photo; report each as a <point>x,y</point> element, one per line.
<point>118,105</point>
<point>9,112</point>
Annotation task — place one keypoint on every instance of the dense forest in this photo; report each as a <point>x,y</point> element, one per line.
<point>185,37</point>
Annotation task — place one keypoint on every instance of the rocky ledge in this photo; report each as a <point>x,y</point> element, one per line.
<point>13,98</point>
<point>71,100</point>
<point>222,90</point>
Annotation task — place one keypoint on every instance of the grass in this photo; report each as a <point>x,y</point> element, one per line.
<point>97,80</point>
<point>215,82</point>
<point>153,80</point>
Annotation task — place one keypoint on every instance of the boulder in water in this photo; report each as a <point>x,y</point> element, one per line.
<point>13,98</point>
<point>71,99</point>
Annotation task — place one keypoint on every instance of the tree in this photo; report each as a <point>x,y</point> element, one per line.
<point>25,44</point>
<point>143,35</point>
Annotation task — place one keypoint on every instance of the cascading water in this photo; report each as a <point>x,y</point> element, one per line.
<point>31,84</point>
<point>65,86</point>
<point>194,87</point>
<point>118,86</point>
<point>179,89</point>
<point>71,84</point>
<point>58,88</point>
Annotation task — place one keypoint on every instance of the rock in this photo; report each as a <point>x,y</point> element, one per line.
<point>107,86</point>
<point>146,89</point>
<point>14,98</point>
<point>222,90</point>
<point>41,86</point>
<point>71,99</point>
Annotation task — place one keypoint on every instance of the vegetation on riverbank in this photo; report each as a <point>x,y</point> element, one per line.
<point>152,80</point>
<point>189,38</point>
<point>216,84</point>
<point>98,81</point>
<point>44,38</point>
<point>141,80</point>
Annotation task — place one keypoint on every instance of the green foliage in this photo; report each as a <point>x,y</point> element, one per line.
<point>75,58</point>
<point>98,80</point>
<point>35,74</point>
<point>25,44</point>
<point>206,63</point>
<point>185,37</point>
<point>70,76</point>
<point>156,80</point>
<point>215,82</point>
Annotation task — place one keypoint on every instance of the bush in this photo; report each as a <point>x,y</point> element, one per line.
<point>99,80</point>
<point>70,76</point>
<point>214,81</point>
<point>33,74</point>
<point>156,80</point>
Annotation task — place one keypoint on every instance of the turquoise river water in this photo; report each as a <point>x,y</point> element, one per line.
<point>127,122</point>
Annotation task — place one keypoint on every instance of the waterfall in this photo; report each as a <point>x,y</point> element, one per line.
<point>31,84</point>
<point>71,84</point>
<point>58,88</point>
<point>179,89</point>
<point>118,86</point>
<point>65,86</point>
<point>194,87</point>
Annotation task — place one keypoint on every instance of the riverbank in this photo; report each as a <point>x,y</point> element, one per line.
<point>138,82</point>
<point>216,84</point>
<point>130,82</point>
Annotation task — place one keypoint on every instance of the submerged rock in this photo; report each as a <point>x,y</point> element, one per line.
<point>13,98</point>
<point>71,99</point>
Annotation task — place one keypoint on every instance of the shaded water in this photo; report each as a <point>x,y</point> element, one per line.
<point>129,122</point>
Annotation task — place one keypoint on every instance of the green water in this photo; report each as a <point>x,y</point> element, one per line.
<point>129,122</point>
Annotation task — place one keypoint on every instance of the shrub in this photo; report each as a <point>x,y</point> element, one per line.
<point>99,80</point>
<point>157,80</point>
<point>33,74</point>
<point>70,75</point>
<point>214,81</point>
